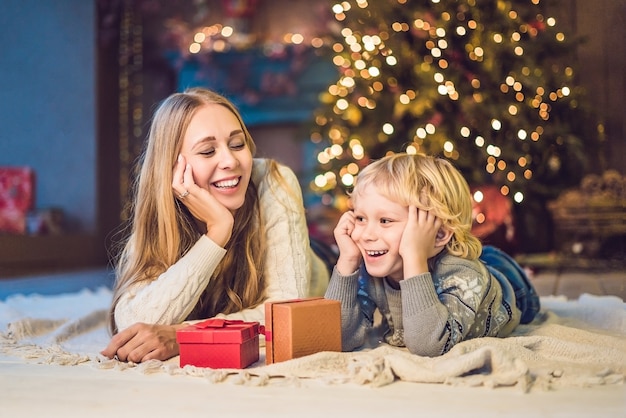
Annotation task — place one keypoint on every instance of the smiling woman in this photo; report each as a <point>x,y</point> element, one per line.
<point>215,232</point>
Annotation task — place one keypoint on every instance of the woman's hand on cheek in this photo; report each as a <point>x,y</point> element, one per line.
<point>349,254</point>
<point>202,204</point>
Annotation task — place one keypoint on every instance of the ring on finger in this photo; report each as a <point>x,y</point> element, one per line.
<point>184,194</point>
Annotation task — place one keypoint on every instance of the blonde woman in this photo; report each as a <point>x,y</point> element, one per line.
<point>215,232</point>
<point>406,249</point>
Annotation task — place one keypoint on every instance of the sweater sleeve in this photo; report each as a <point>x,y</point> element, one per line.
<point>438,316</point>
<point>354,322</point>
<point>171,297</point>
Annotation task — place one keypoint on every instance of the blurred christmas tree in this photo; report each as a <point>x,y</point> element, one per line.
<point>488,84</point>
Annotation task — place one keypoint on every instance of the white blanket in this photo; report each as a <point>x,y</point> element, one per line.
<point>571,344</point>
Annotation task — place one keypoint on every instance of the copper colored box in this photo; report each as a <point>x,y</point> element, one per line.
<point>299,327</point>
<point>219,343</point>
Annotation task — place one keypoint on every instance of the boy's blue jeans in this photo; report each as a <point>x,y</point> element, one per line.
<point>505,268</point>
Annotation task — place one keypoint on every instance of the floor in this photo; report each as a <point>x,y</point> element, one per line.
<point>58,391</point>
<point>573,283</point>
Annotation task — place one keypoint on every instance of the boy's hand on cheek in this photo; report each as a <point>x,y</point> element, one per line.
<point>349,254</point>
<point>418,240</point>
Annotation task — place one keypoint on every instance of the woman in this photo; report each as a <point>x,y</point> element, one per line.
<point>215,232</point>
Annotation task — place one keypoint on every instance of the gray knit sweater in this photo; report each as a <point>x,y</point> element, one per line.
<point>457,300</point>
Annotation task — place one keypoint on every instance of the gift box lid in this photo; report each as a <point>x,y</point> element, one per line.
<point>218,331</point>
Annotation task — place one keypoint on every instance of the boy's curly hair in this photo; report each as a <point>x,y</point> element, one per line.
<point>430,183</point>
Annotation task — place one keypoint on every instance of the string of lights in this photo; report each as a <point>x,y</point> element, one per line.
<point>487,84</point>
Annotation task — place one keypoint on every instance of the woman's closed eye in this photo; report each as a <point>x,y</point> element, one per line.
<point>237,146</point>
<point>207,152</point>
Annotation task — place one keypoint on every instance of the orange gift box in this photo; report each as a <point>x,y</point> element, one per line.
<point>299,327</point>
<point>219,343</point>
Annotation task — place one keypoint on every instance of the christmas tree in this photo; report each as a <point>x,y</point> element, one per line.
<point>487,84</point>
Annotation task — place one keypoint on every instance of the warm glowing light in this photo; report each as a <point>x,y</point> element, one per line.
<point>194,48</point>
<point>227,31</point>
<point>297,38</point>
<point>347,179</point>
<point>337,8</point>
<point>320,181</point>
<point>342,104</point>
<point>411,149</point>
<point>323,158</point>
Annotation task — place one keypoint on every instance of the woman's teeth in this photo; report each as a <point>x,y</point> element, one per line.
<point>226,183</point>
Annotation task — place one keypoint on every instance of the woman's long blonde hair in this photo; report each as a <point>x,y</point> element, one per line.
<point>162,229</point>
<point>430,183</point>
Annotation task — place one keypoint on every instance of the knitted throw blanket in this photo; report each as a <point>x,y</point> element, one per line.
<point>570,343</point>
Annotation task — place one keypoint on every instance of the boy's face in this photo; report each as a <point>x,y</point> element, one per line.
<point>378,230</point>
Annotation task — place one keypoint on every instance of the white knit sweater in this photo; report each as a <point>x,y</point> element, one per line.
<point>292,269</point>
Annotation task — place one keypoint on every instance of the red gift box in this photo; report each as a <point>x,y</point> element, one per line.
<point>219,343</point>
<point>17,198</point>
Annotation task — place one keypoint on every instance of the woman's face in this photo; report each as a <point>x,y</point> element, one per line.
<point>215,147</point>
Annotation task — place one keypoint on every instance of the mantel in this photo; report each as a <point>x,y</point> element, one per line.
<point>267,87</point>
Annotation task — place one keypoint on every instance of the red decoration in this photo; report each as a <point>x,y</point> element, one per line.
<point>493,218</point>
<point>17,198</point>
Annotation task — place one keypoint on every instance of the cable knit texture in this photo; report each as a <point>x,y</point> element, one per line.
<point>292,269</point>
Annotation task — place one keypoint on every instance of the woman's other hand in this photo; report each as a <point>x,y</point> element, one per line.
<point>142,342</point>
